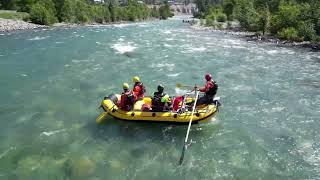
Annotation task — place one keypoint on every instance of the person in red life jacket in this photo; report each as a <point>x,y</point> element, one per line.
<point>127,98</point>
<point>209,90</point>
<point>138,88</point>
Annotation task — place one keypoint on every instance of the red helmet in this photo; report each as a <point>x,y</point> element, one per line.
<point>208,76</point>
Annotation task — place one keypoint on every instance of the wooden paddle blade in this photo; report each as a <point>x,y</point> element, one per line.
<point>179,85</point>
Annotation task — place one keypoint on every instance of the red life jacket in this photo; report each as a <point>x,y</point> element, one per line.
<point>139,90</point>
<point>176,102</point>
<point>127,100</point>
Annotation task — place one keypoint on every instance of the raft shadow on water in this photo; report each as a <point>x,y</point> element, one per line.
<point>155,131</point>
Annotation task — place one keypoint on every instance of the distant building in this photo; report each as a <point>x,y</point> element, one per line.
<point>181,8</point>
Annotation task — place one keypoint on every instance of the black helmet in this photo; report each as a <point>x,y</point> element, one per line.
<point>160,88</point>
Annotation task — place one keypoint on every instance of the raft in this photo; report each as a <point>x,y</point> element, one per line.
<point>109,105</point>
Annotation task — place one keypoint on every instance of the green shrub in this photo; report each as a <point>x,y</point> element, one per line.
<point>82,11</point>
<point>14,15</point>
<point>221,17</point>
<point>39,14</point>
<point>290,34</point>
<point>247,15</point>
<point>306,31</point>
<point>210,20</point>
<point>317,27</point>
<point>97,13</point>
<point>68,13</point>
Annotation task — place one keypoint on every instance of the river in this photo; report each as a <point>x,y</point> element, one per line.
<point>52,82</point>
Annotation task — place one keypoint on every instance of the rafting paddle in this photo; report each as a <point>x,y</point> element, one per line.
<point>187,135</point>
<point>179,85</point>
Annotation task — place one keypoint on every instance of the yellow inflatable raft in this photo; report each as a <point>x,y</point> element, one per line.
<point>202,113</point>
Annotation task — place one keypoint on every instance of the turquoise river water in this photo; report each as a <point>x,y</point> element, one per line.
<point>52,82</point>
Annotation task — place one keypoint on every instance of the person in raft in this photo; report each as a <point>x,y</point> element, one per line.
<point>160,101</point>
<point>138,88</point>
<point>209,90</point>
<point>127,98</point>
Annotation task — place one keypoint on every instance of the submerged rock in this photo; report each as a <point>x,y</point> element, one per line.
<point>38,167</point>
<point>82,168</point>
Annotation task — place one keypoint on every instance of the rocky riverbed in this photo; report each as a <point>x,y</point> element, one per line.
<point>12,25</point>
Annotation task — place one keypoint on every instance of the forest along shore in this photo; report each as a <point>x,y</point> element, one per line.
<point>234,28</point>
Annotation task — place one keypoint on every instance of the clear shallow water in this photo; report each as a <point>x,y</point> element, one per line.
<point>52,82</point>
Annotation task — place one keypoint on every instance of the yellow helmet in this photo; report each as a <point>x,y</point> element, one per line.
<point>136,79</point>
<point>125,86</point>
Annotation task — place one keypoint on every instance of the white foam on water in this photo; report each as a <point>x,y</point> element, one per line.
<point>52,132</point>
<point>38,38</point>
<point>143,25</point>
<point>121,25</point>
<point>24,75</point>
<point>169,67</point>
<point>169,39</point>
<point>122,47</point>
<point>58,42</point>
<point>167,32</point>
<point>6,152</point>
<point>167,45</point>
<point>79,61</point>
<point>198,49</point>
<point>98,42</point>
<point>2,34</point>
<point>174,75</point>
<point>309,154</point>
<point>238,47</point>
<point>121,39</point>
<point>272,52</point>
<point>287,51</point>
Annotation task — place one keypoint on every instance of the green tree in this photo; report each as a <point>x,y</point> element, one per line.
<point>58,5</point>
<point>68,13</point>
<point>114,11</point>
<point>228,8</point>
<point>25,5</point>
<point>247,15</point>
<point>264,20</point>
<point>82,11</point>
<point>43,12</point>
<point>164,11</point>
<point>8,4</point>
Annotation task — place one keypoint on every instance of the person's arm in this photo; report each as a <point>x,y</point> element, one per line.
<point>204,89</point>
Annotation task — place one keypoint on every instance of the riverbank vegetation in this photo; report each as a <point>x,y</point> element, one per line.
<point>14,15</point>
<point>48,12</point>
<point>294,20</point>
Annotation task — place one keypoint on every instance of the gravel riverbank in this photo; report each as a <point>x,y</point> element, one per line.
<point>12,25</point>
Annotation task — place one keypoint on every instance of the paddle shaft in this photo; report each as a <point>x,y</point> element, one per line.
<point>187,135</point>
<point>179,85</point>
